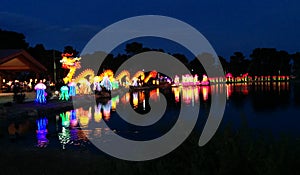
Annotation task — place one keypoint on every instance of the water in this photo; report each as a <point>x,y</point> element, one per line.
<point>268,107</point>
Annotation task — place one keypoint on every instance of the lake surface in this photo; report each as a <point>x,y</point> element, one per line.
<point>267,107</point>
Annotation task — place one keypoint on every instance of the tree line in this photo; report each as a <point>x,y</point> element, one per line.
<point>262,61</point>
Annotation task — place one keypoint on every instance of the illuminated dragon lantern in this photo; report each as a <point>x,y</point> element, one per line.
<point>69,62</point>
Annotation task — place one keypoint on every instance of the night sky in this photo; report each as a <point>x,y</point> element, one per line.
<point>228,25</point>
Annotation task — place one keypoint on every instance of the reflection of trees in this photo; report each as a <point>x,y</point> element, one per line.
<point>296,93</point>
<point>270,96</point>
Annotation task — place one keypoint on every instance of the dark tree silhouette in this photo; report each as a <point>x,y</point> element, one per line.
<point>108,63</point>
<point>71,50</point>
<point>12,40</point>
<point>296,65</point>
<point>196,66</point>
<point>269,61</point>
<point>264,61</point>
<point>238,64</point>
<point>133,48</point>
<point>182,58</point>
<point>224,64</point>
<point>47,58</point>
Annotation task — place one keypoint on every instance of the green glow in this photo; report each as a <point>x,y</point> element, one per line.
<point>65,119</point>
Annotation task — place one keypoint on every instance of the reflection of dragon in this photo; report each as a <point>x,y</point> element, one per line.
<point>68,62</point>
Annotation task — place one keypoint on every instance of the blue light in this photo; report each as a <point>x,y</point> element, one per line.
<point>40,96</point>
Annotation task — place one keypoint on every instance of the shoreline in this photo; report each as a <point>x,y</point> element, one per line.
<point>12,111</point>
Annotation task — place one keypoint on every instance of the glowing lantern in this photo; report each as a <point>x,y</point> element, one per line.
<point>229,77</point>
<point>204,81</point>
<point>176,94</point>
<point>72,89</point>
<point>106,110</point>
<point>115,85</point>
<point>106,83</point>
<point>68,62</point>
<point>196,82</point>
<point>135,100</point>
<point>65,119</point>
<point>114,102</point>
<point>134,82</point>
<point>64,93</point>
<point>73,118</point>
<point>40,92</point>
<point>205,93</point>
<point>176,80</point>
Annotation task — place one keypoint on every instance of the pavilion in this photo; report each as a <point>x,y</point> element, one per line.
<point>14,61</point>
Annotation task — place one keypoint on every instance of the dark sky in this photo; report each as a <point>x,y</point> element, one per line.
<point>228,25</point>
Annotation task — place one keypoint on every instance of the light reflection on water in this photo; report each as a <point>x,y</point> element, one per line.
<point>72,126</point>
<point>256,100</point>
<point>41,132</point>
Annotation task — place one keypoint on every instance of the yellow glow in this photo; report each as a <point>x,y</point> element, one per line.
<point>139,73</point>
<point>98,117</point>
<point>125,98</point>
<point>114,102</point>
<point>141,96</point>
<point>176,94</point>
<point>83,117</point>
<point>106,114</point>
<point>205,92</point>
<point>135,100</point>
<point>68,62</point>
<point>196,93</point>
<point>121,75</point>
